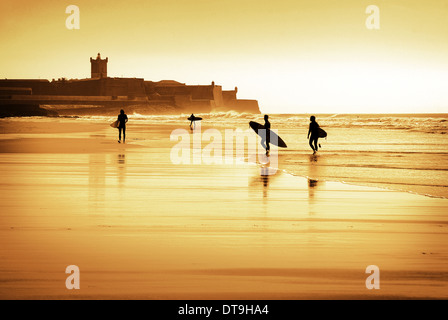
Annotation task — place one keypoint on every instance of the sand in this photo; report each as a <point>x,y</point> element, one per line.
<point>140,227</point>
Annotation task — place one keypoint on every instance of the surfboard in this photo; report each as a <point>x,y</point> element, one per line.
<point>195,118</point>
<point>322,133</point>
<point>114,124</point>
<point>274,137</point>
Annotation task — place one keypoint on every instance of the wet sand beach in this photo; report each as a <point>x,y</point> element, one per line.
<point>139,226</point>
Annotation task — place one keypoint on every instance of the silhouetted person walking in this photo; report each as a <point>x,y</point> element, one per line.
<point>267,138</point>
<point>192,121</point>
<point>122,119</point>
<point>314,132</point>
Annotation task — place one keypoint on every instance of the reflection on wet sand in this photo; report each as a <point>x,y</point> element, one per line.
<point>121,172</point>
<point>314,184</point>
<point>266,175</point>
<point>97,182</point>
<point>313,171</point>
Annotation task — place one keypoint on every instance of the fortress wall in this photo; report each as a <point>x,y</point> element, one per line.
<point>229,96</point>
<point>45,87</point>
<point>36,85</point>
<point>153,94</point>
<point>172,90</point>
<point>217,96</point>
<point>122,87</point>
<point>201,92</point>
<point>250,106</point>
<point>150,87</point>
<point>111,92</point>
<point>49,98</point>
<point>189,105</point>
<point>86,87</point>
<point>182,100</point>
<point>229,99</point>
<point>72,88</point>
<point>196,92</point>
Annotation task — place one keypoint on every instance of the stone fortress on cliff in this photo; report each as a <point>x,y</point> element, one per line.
<point>103,95</point>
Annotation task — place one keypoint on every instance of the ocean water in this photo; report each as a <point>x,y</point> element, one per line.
<point>398,152</point>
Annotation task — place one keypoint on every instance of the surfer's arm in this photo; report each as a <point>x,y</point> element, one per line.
<point>309,131</point>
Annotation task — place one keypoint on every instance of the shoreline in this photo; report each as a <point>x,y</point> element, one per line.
<point>371,185</point>
<point>98,125</point>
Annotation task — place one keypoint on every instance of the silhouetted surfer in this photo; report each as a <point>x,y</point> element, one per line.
<point>192,121</point>
<point>314,132</point>
<point>122,119</point>
<point>267,138</point>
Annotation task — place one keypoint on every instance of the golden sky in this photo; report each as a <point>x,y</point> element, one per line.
<point>293,56</point>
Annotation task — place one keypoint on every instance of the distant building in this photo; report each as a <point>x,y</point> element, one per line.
<point>98,67</point>
<point>102,95</point>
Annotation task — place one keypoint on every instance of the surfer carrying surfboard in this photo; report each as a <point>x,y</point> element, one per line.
<point>193,120</point>
<point>314,132</point>
<point>266,139</point>
<point>192,117</point>
<point>122,119</point>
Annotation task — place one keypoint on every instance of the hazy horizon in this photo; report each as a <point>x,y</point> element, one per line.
<point>291,56</point>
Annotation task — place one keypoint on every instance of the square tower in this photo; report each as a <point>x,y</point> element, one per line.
<point>98,67</point>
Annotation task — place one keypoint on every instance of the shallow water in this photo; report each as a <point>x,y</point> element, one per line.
<point>398,152</point>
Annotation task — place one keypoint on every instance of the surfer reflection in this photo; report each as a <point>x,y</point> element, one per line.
<point>122,119</point>
<point>265,181</point>
<point>266,138</point>
<point>261,181</point>
<point>312,186</point>
<point>121,174</point>
<point>314,182</point>
<point>314,132</point>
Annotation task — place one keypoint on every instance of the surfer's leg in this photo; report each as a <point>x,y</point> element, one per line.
<point>315,143</point>
<point>263,143</point>
<point>119,134</point>
<point>311,144</point>
<point>124,134</point>
<point>268,140</point>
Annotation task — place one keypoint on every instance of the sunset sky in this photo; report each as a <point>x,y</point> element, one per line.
<point>293,56</point>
